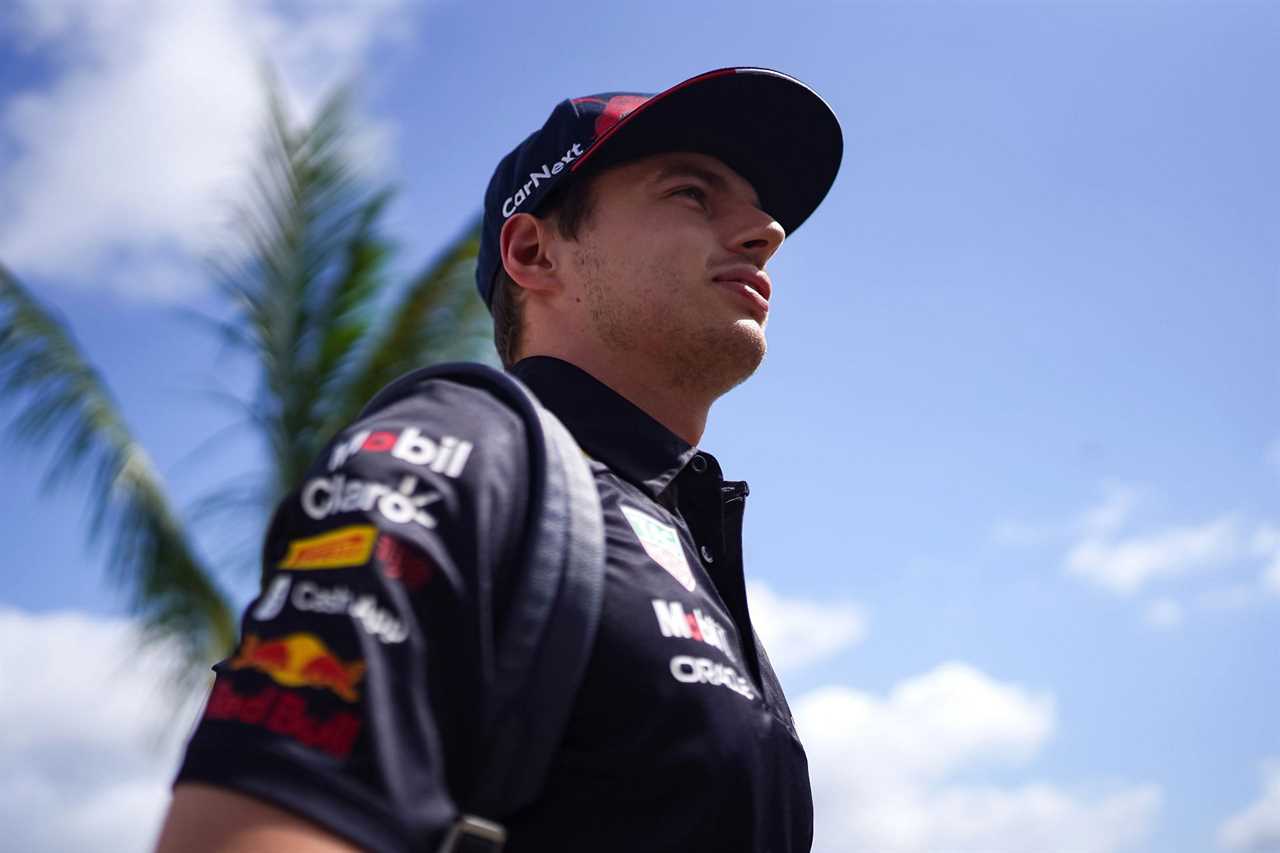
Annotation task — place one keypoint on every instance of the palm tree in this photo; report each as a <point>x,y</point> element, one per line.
<point>308,299</point>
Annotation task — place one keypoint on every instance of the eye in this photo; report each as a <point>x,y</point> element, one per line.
<point>696,193</point>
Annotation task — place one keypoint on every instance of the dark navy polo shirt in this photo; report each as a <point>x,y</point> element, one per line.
<point>351,697</point>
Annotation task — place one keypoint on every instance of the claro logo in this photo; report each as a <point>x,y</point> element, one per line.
<point>538,176</point>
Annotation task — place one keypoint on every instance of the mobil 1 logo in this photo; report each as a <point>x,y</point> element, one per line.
<point>447,455</point>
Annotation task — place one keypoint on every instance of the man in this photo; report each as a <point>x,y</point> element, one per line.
<point>623,256</point>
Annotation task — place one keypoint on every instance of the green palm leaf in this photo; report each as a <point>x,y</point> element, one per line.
<point>439,317</point>
<point>309,292</point>
<point>63,401</point>
<point>309,302</point>
<point>304,290</point>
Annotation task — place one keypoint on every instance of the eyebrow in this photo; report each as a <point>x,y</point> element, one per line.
<point>689,170</point>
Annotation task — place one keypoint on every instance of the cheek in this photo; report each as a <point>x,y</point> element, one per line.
<point>618,264</point>
<point>640,263</point>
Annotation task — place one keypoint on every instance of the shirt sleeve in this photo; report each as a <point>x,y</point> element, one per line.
<point>347,698</point>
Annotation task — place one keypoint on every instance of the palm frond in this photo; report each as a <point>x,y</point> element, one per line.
<point>308,278</point>
<point>65,406</point>
<point>439,317</point>
<point>231,336</point>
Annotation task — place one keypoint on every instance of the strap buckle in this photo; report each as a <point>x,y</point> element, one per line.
<point>471,834</point>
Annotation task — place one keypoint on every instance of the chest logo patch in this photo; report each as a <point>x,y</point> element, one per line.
<point>662,544</point>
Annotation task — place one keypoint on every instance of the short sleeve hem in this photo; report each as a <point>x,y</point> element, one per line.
<point>271,778</point>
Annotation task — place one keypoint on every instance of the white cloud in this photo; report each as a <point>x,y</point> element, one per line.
<point>82,723</point>
<point>1266,544</point>
<point>1271,577</point>
<point>1263,544</point>
<point>1111,513</point>
<point>88,739</point>
<point>1163,613</point>
<point>1104,550</point>
<point>798,632</point>
<point>125,165</point>
<point>1257,828</point>
<point>1116,508</point>
<point>1126,564</point>
<point>881,768</point>
<point>1105,547</point>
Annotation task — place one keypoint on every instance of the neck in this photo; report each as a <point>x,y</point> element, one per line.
<point>676,404</point>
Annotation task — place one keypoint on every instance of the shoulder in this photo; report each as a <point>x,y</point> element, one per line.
<point>445,403</point>
<point>435,466</point>
<point>438,428</point>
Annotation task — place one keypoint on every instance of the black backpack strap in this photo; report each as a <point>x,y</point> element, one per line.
<point>550,630</point>
<point>549,634</point>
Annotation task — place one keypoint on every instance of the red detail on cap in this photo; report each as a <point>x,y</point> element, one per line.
<point>607,130</point>
<point>618,108</point>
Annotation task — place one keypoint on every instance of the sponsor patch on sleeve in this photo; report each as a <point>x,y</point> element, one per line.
<point>300,660</point>
<point>322,497</point>
<point>337,549</point>
<point>447,455</point>
<point>285,713</point>
<point>400,562</point>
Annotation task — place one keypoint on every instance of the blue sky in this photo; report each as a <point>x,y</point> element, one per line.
<point>1014,451</point>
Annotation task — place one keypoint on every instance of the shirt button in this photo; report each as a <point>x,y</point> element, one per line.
<point>698,463</point>
<point>706,554</point>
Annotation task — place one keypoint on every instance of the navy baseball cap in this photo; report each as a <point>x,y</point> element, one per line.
<point>770,128</point>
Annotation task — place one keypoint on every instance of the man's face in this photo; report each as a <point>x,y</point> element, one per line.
<point>668,269</point>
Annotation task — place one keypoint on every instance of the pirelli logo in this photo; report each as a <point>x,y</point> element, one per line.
<point>337,549</point>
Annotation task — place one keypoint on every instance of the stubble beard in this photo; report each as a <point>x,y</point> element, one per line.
<point>705,359</point>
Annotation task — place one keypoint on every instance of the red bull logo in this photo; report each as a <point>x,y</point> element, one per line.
<point>285,713</point>
<point>300,660</point>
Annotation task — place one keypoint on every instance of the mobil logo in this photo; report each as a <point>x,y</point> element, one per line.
<point>675,621</point>
<point>447,455</point>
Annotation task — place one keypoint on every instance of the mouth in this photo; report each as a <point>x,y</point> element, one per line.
<point>752,285</point>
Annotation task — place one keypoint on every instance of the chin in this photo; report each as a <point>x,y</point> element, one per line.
<point>750,349</point>
<point>718,358</point>
<point>749,341</point>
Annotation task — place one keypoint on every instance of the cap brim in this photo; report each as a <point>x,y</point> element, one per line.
<point>768,127</point>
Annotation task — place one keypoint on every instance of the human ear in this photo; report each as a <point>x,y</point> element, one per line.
<point>524,247</point>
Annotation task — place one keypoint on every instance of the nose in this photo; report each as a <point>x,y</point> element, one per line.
<point>757,235</point>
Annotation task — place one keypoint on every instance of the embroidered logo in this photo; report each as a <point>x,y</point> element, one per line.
<point>662,544</point>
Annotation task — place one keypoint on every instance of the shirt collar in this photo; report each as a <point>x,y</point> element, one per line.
<point>607,425</point>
